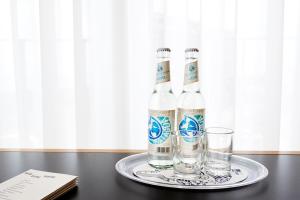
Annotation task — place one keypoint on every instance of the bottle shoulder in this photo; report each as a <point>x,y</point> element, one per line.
<point>191,100</point>
<point>162,101</point>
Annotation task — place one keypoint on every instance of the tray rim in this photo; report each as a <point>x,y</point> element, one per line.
<point>262,176</point>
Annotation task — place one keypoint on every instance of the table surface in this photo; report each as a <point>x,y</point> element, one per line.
<point>98,178</point>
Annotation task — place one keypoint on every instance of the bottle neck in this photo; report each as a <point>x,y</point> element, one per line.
<point>163,78</point>
<point>191,79</point>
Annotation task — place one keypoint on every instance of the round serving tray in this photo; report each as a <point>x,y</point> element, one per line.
<point>256,172</point>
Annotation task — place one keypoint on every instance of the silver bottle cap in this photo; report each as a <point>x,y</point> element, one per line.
<point>163,49</point>
<point>191,50</point>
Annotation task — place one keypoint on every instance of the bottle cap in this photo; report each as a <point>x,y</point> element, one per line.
<point>191,50</point>
<point>163,49</point>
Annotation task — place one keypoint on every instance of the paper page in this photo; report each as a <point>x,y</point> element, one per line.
<point>33,185</point>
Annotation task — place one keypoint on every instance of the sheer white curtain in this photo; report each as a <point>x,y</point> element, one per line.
<point>78,73</point>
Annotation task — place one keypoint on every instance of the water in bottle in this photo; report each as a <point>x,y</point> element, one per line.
<point>190,116</point>
<point>162,106</point>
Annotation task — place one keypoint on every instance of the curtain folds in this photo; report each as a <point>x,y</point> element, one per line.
<point>78,73</point>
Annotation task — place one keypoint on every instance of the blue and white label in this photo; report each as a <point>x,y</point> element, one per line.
<point>190,124</point>
<point>155,130</point>
<point>160,127</point>
<point>163,72</point>
<point>191,73</point>
<point>191,121</point>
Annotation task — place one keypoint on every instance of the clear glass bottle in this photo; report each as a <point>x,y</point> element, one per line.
<point>190,113</point>
<point>162,106</point>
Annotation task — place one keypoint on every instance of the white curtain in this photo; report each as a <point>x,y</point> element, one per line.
<point>78,73</point>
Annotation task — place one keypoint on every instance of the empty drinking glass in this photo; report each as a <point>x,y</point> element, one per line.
<point>219,151</point>
<point>189,149</point>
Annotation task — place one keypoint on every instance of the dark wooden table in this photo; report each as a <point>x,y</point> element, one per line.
<point>99,180</point>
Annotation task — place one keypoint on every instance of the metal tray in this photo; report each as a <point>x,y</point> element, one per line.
<point>255,172</point>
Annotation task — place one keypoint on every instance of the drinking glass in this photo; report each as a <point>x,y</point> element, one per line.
<point>219,151</point>
<point>188,150</point>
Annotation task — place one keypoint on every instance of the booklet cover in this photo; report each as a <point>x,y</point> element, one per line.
<point>34,185</point>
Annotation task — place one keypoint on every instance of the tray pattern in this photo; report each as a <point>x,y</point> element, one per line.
<point>168,176</point>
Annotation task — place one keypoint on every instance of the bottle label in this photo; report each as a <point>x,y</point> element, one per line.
<point>163,72</point>
<point>160,127</point>
<point>191,120</point>
<point>191,127</point>
<point>191,73</point>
